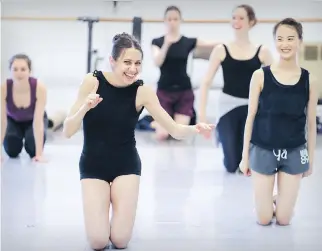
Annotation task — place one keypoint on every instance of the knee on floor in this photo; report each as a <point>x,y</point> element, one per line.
<point>265,220</point>
<point>231,167</point>
<point>283,220</point>
<point>30,147</point>
<point>13,149</point>
<point>98,243</point>
<point>120,241</point>
<point>12,153</point>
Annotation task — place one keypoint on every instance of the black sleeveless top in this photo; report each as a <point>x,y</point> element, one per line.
<point>280,122</point>
<point>110,126</point>
<point>173,71</point>
<point>238,74</point>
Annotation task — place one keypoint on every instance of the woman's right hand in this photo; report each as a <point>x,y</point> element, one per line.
<point>93,99</point>
<point>244,167</point>
<point>169,40</point>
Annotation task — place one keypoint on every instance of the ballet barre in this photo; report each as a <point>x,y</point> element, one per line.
<point>137,27</point>
<point>148,20</point>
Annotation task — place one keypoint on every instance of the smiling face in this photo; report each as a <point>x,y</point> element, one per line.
<point>126,58</point>
<point>243,19</point>
<point>128,66</point>
<point>287,41</point>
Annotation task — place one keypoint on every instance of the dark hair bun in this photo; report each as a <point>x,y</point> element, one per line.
<point>121,35</point>
<point>123,41</point>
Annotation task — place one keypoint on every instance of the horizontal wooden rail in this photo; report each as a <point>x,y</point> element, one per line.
<point>127,20</point>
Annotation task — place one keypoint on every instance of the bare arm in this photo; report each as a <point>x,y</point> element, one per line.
<point>3,112</point>
<point>216,57</point>
<point>265,56</point>
<point>311,118</point>
<point>79,109</point>
<point>160,54</point>
<point>205,43</point>
<point>151,102</point>
<point>256,87</point>
<point>38,122</point>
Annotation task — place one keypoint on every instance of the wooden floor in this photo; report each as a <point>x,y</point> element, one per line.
<point>187,202</point>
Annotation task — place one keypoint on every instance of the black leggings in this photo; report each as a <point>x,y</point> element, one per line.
<point>230,130</point>
<point>19,134</point>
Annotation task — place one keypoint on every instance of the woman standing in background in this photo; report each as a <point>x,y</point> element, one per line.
<point>170,53</point>
<point>239,59</point>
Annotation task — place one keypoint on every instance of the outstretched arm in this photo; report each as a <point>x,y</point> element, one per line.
<point>38,121</point>
<point>201,43</point>
<point>151,102</point>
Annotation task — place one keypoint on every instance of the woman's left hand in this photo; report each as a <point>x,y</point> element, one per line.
<point>39,159</point>
<point>205,129</point>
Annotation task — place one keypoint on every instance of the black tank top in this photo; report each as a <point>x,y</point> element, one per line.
<point>238,73</point>
<point>110,126</point>
<point>280,122</point>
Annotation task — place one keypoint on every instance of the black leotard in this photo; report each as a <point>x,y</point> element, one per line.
<point>109,148</point>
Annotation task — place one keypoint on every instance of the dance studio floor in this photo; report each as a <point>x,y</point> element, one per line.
<point>187,202</point>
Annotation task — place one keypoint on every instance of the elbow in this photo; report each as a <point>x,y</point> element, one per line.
<point>205,86</point>
<point>157,63</point>
<point>67,134</point>
<point>66,130</point>
<point>175,131</point>
<point>312,126</point>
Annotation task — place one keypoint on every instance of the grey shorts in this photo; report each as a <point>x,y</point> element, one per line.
<point>291,161</point>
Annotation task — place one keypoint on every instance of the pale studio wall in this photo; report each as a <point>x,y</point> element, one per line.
<point>58,48</point>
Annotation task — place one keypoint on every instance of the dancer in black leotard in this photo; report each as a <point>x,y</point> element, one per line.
<point>170,53</point>
<point>238,59</point>
<point>109,104</point>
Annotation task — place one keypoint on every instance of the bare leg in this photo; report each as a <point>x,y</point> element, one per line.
<point>288,187</point>
<point>124,197</point>
<point>96,204</point>
<point>263,188</point>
